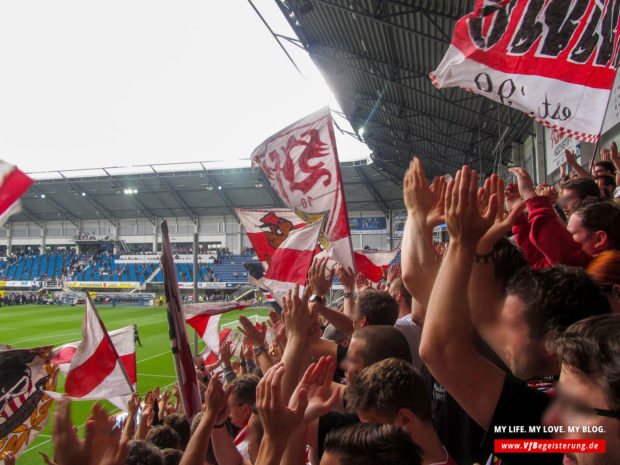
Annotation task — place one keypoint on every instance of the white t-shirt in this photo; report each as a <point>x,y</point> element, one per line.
<point>413,334</point>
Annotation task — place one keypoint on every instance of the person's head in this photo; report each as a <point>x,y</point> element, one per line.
<point>596,226</point>
<point>163,437</point>
<point>508,258</point>
<point>400,293</point>
<point>179,423</point>
<point>255,435</point>
<point>391,392</point>
<point>372,344</point>
<point>539,305</point>
<point>589,353</point>
<point>576,190</point>
<point>605,269</point>
<point>172,456</point>
<point>374,307</point>
<point>607,185</point>
<point>144,453</point>
<point>370,444</point>
<point>242,399</point>
<point>604,168</point>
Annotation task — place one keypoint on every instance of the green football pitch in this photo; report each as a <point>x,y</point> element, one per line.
<point>33,325</point>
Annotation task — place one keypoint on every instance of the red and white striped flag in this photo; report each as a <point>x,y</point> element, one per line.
<point>301,162</point>
<point>181,351</point>
<point>374,264</point>
<point>291,261</point>
<point>95,370</point>
<point>123,341</point>
<point>13,185</point>
<point>267,229</point>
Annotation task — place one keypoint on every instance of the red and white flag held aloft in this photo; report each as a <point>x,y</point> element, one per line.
<point>123,341</point>
<point>373,264</point>
<point>95,369</point>
<point>13,185</point>
<point>554,60</point>
<point>291,261</point>
<point>301,162</point>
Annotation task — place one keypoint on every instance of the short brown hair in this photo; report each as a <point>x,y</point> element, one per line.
<point>164,437</point>
<point>244,389</point>
<point>592,347</point>
<point>179,423</point>
<point>381,342</point>
<point>583,187</point>
<point>378,307</point>
<point>388,386</point>
<point>398,285</point>
<point>370,444</point>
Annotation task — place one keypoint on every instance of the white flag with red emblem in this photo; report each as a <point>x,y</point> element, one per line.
<point>267,229</point>
<point>374,264</point>
<point>301,162</point>
<point>123,342</point>
<point>95,370</point>
<point>291,261</point>
<point>556,61</point>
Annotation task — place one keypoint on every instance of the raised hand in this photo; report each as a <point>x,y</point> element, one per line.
<point>278,420</point>
<point>46,459</point>
<point>570,157</point>
<point>320,283</point>
<point>103,440</point>
<point>394,272</point>
<point>278,328</point>
<point>361,283</point>
<point>9,458</point>
<point>346,277</point>
<point>216,396</point>
<point>298,318</point>
<point>252,333</point>
<point>464,220</point>
<point>605,154</point>
<point>246,349</point>
<point>420,198</point>
<point>317,382</point>
<point>225,353</point>
<point>70,450</point>
<point>524,181</point>
<point>545,190</point>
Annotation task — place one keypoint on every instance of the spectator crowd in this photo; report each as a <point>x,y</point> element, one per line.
<point>510,332</point>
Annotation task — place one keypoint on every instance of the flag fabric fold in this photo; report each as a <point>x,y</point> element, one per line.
<point>13,185</point>
<point>517,54</point>
<point>373,264</point>
<point>123,342</point>
<point>301,162</point>
<point>181,351</point>
<point>291,261</point>
<point>24,405</point>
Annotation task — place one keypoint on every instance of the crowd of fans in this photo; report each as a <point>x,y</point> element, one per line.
<point>511,329</point>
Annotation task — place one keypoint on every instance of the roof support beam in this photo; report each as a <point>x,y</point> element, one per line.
<point>186,208</point>
<point>106,213</point>
<point>227,202</point>
<point>61,209</point>
<point>373,192</point>
<point>277,200</point>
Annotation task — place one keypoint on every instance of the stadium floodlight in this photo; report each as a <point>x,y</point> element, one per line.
<point>130,191</point>
<point>83,194</point>
<point>219,188</point>
<point>361,131</point>
<point>42,196</point>
<point>209,188</point>
<point>135,191</point>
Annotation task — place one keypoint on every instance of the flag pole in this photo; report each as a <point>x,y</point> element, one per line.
<point>109,339</point>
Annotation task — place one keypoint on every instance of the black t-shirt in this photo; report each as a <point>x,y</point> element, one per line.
<point>331,421</point>
<point>341,353</point>
<point>462,437</point>
<point>520,405</point>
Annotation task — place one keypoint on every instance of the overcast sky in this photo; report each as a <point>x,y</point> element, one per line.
<point>117,83</point>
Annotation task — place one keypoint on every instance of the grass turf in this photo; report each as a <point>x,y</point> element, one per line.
<point>33,325</point>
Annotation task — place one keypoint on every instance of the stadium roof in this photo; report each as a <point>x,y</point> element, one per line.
<point>183,190</point>
<point>376,56</point>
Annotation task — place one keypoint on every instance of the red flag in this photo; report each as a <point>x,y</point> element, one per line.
<point>181,351</point>
<point>123,342</point>
<point>556,61</point>
<point>301,162</point>
<point>373,264</point>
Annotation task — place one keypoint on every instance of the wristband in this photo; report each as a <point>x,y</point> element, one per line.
<point>348,294</point>
<point>316,298</point>
<point>242,363</point>
<point>258,350</point>
<point>221,425</point>
<point>483,258</point>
